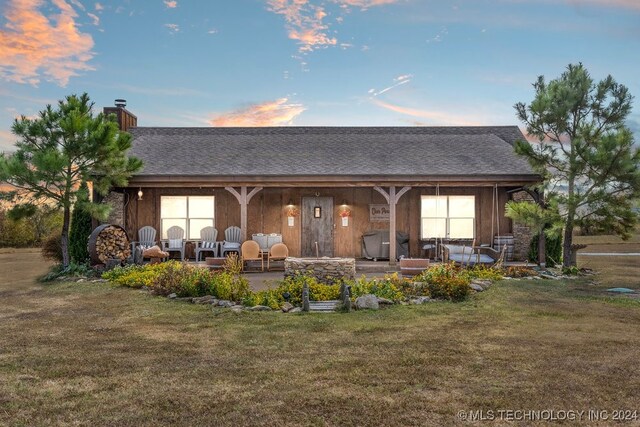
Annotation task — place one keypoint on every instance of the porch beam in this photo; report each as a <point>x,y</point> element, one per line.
<point>392,198</point>
<point>243,198</point>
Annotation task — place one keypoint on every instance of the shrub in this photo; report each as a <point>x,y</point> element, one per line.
<point>182,279</point>
<point>52,248</point>
<point>81,228</point>
<point>519,272</point>
<point>388,287</point>
<point>552,249</point>
<point>72,270</point>
<point>484,272</point>
<point>446,281</point>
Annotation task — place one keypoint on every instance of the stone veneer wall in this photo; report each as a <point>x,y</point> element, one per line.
<point>116,200</point>
<point>325,270</point>
<point>522,234</point>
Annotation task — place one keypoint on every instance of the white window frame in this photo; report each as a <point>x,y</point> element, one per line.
<point>447,217</point>
<point>188,218</point>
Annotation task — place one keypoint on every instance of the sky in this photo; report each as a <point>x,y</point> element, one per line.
<point>308,62</point>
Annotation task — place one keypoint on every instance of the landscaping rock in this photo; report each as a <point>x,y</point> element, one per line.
<point>286,307</point>
<point>476,287</point>
<point>420,300</point>
<point>295,310</point>
<point>260,308</point>
<point>172,296</point>
<point>367,301</point>
<point>207,299</point>
<point>384,301</point>
<point>237,308</point>
<point>225,303</point>
<point>482,282</point>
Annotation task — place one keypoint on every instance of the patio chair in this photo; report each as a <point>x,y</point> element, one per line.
<point>207,243</point>
<point>175,241</point>
<point>250,251</point>
<point>231,241</point>
<point>146,240</point>
<point>278,252</point>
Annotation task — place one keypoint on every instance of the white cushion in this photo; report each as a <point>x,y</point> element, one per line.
<point>208,245</point>
<point>175,243</point>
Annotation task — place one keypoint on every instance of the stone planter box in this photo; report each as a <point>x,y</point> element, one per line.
<point>215,263</point>
<point>413,266</point>
<point>325,270</point>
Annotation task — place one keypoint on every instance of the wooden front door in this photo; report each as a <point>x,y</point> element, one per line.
<point>317,226</point>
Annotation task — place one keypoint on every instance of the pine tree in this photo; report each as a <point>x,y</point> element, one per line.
<point>61,148</point>
<point>585,153</point>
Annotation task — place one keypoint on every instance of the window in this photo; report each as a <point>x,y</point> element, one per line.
<point>451,217</point>
<point>191,213</point>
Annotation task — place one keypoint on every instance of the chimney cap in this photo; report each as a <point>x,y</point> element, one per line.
<point>121,102</point>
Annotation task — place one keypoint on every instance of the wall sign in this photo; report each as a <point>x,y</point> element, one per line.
<point>378,213</point>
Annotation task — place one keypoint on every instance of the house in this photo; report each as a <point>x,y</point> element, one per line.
<point>323,187</point>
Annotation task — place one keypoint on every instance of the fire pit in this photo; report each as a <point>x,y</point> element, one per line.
<point>325,270</point>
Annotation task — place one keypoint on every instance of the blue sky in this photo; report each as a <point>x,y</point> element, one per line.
<point>307,62</point>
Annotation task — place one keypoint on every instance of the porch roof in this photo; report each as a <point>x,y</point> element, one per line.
<point>457,153</point>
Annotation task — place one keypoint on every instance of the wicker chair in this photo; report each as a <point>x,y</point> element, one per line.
<point>278,252</point>
<point>250,251</point>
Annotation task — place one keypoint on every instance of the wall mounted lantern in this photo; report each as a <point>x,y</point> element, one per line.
<point>140,193</point>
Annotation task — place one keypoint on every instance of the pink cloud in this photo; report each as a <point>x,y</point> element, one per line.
<point>171,4</point>
<point>98,7</point>
<point>304,23</point>
<point>33,45</point>
<point>435,117</point>
<point>280,112</point>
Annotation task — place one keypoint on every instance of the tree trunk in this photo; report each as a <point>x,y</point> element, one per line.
<point>64,242</point>
<point>567,242</point>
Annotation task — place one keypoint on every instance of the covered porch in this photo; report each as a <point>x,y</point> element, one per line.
<point>325,218</point>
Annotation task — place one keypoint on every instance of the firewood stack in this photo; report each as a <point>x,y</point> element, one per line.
<point>109,242</point>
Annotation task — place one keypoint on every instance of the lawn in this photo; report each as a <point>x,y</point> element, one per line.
<point>92,354</point>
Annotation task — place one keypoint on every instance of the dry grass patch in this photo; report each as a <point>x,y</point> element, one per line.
<point>92,354</point>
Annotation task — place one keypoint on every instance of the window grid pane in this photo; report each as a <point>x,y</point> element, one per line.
<point>448,217</point>
<point>191,213</point>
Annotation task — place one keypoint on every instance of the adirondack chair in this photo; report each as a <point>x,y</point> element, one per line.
<point>175,241</point>
<point>250,251</point>
<point>207,243</point>
<point>146,239</point>
<point>231,241</point>
<point>278,252</point>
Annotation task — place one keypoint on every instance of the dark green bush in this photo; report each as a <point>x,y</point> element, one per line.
<point>552,249</point>
<point>52,248</point>
<point>81,228</point>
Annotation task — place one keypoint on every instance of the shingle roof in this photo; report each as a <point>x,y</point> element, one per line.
<point>330,151</point>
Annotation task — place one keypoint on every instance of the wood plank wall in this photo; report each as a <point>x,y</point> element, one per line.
<point>267,213</point>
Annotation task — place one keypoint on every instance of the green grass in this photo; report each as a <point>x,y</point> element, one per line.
<point>94,354</point>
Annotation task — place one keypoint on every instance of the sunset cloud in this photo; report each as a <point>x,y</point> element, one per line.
<point>280,112</point>
<point>171,4</point>
<point>434,117</point>
<point>304,23</point>
<point>33,45</point>
<point>98,7</point>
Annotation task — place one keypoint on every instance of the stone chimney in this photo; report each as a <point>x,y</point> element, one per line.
<point>126,119</point>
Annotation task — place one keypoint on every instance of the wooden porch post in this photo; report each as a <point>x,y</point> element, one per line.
<point>392,198</point>
<point>243,199</point>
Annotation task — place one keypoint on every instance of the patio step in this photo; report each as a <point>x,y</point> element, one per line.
<point>323,306</point>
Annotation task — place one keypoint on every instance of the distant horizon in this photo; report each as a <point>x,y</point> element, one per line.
<point>326,63</point>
